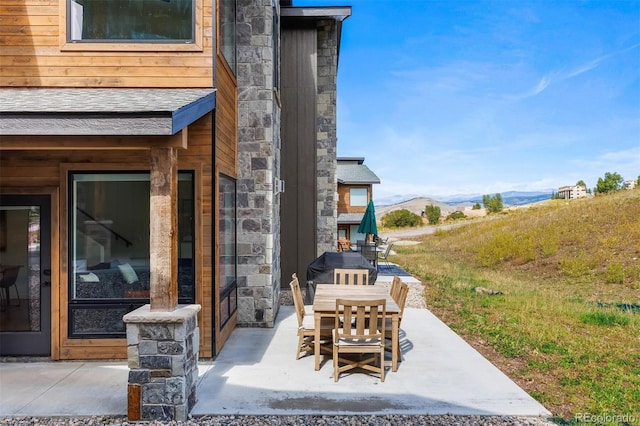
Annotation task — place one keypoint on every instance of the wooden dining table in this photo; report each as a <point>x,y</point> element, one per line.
<point>324,306</point>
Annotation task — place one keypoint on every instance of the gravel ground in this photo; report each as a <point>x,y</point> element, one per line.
<point>389,420</point>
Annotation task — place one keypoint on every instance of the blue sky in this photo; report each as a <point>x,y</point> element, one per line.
<point>479,97</point>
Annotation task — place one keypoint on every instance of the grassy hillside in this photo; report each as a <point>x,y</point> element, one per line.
<point>551,295</point>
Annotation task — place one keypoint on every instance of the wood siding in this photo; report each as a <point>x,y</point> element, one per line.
<point>299,99</point>
<point>48,169</point>
<point>32,55</point>
<point>226,159</point>
<point>344,199</point>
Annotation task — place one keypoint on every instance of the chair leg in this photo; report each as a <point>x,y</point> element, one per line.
<point>299,348</point>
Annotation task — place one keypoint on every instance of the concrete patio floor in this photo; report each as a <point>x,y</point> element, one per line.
<point>256,374</point>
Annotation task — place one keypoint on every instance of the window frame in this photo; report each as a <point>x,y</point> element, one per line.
<point>233,65</point>
<point>149,46</point>
<point>351,196</point>
<point>75,304</point>
<point>226,293</point>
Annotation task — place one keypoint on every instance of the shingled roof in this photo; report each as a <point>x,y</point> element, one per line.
<point>354,172</point>
<point>98,111</point>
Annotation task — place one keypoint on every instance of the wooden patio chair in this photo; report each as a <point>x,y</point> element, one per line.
<point>344,245</point>
<point>306,323</point>
<point>394,291</point>
<point>359,329</point>
<point>399,292</point>
<point>351,276</point>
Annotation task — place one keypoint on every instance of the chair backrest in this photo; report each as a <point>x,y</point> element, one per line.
<point>351,276</point>
<point>369,252</point>
<point>298,302</point>
<point>394,291</point>
<point>344,244</point>
<point>387,250</point>
<point>380,241</point>
<point>360,319</point>
<point>9,276</point>
<point>399,291</point>
<point>401,299</point>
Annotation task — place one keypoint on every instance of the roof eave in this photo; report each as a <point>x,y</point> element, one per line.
<point>106,123</point>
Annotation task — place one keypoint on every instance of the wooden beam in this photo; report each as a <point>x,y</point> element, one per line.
<point>34,143</point>
<point>163,229</point>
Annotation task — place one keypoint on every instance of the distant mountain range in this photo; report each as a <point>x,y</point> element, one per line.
<point>509,198</point>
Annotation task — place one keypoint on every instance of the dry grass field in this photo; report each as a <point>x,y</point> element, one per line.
<point>551,295</point>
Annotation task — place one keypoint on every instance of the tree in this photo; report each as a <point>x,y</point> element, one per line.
<point>400,218</point>
<point>433,214</point>
<point>581,183</point>
<point>493,204</point>
<point>638,182</point>
<point>612,182</point>
<point>477,206</point>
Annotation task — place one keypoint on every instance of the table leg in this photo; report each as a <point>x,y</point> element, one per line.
<point>316,341</point>
<point>395,321</point>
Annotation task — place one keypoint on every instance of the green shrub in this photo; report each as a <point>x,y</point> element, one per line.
<point>456,216</point>
<point>401,219</point>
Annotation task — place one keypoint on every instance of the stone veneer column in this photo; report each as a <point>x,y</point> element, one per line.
<point>327,195</point>
<point>258,167</point>
<point>163,361</point>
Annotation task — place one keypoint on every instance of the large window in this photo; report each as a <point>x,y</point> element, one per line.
<point>227,251</point>
<point>163,21</point>
<point>228,32</point>
<point>358,197</point>
<point>109,248</point>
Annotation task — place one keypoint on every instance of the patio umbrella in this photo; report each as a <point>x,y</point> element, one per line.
<point>368,223</point>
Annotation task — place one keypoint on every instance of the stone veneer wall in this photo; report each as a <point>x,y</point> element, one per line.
<point>327,195</point>
<point>162,350</point>
<point>258,165</point>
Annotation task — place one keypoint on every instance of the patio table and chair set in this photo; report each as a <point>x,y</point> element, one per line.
<point>353,322</point>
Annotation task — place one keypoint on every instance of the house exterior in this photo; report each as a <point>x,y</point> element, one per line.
<point>287,148</point>
<point>355,190</point>
<point>572,191</point>
<point>142,163</point>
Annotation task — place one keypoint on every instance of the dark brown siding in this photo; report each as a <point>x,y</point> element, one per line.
<point>299,93</point>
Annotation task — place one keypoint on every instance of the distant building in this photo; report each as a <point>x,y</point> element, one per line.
<point>629,184</point>
<point>355,190</point>
<point>572,191</point>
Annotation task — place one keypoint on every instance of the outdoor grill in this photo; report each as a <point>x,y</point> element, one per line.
<point>320,271</point>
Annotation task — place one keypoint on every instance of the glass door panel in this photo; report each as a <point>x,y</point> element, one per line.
<point>25,283</point>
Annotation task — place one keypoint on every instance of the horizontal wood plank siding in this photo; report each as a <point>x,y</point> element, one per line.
<point>344,199</point>
<point>31,55</point>
<point>226,137</point>
<point>226,121</point>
